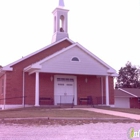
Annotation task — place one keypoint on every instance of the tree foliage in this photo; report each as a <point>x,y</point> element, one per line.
<point>128,77</point>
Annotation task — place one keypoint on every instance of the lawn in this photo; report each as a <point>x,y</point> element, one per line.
<point>125,110</point>
<point>57,116</point>
<point>51,112</point>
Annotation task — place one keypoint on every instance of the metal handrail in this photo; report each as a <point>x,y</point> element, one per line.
<point>72,103</point>
<point>15,98</point>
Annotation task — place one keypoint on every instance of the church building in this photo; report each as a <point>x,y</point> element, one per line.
<point>64,72</point>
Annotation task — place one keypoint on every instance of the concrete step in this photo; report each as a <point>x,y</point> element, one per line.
<point>65,105</point>
<point>101,106</point>
<point>83,106</point>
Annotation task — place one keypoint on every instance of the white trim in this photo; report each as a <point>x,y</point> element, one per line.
<point>127,92</point>
<point>34,66</point>
<point>53,55</point>
<point>112,105</point>
<point>115,75</point>
<point>97,58</point>
<point>110,71</point>
<point>23,88</point>
<point>37,89</point>
<point>7,67</point>
<point>75,86</point>
<point>34,71</point>
<point>107,90</point>
<point>59,9</point>
<point>37,65</point>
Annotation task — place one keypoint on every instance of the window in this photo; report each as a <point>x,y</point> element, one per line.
<point>65,79</point>
<point>74,59</point>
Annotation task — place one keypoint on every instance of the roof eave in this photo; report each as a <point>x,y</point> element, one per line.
<point>8,67</point>
<point>32,68</point>
<point>128,92</point>
<point>114,75</point>
<point>110,69</point>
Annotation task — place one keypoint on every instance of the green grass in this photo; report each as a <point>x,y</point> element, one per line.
<point>48,112</point>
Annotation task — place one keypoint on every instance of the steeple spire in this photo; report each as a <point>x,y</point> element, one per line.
<point>61,3</point>
<point>60,22</point>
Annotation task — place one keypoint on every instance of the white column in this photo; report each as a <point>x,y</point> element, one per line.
<point>107,91</point>
<point>37,89</point>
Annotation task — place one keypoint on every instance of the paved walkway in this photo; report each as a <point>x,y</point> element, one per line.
<point>115,113</point>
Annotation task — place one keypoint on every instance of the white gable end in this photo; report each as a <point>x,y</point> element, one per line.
<point>62,63</point>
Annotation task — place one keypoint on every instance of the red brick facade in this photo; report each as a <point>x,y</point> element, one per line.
<point>93,88</point>
<point>14,79</point>
<point>134,103</point>
<point>2,89</point>
<point>15,84</point>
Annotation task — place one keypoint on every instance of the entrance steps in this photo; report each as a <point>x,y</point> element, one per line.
<point>83,106</point>
<point>69,105</point>
<point>65,105</point>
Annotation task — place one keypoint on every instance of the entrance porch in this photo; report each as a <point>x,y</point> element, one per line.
<point>56,89</point>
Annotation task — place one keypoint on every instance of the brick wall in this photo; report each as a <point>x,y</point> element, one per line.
<point>1,89</point>
<point>90,88</point>
<point>111,90</point>
<point>14,84</point>
<point>93,88</point>
<point>134,103</point>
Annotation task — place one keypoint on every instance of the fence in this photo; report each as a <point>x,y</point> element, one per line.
<point>64,100</point>
<point>10,98</point>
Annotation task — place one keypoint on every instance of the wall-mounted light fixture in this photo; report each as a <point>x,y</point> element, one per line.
<point>86,80</point>
<point>51,78</point>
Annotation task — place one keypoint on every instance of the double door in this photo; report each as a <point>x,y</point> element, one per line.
<point>64,91</point>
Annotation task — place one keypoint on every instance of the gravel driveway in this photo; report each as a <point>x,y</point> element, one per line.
<point>97,131</point>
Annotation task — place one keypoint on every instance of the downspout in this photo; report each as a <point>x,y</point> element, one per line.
<point>23,89</point>
<point>4,89</point>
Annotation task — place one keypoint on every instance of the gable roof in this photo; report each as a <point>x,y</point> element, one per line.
<point>37,65</point>
<point>127,92</point>
<point>9,66</point>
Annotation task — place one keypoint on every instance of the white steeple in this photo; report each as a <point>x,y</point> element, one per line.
<point>60,22</point>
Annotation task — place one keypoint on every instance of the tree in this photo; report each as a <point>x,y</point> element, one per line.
<point>128,77</point>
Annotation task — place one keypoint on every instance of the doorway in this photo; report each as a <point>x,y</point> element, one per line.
<point>65,90</point>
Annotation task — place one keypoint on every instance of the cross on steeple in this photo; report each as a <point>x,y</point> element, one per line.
<point>61,3</point>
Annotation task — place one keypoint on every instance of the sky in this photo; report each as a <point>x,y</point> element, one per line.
<point>110,29</point>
